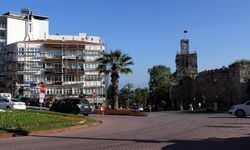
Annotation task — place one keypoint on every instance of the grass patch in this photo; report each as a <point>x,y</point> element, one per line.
<point>22,122</point>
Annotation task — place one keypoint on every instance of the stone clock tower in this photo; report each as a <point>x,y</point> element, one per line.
<point>181,79</point>
<point>186,62</point>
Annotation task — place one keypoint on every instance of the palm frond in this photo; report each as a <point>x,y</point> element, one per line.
<point>126,70</point>
<point>115,61</point>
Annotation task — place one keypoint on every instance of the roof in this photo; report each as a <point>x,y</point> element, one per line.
<point>22,16</point>
<point>61,44</point>
<point>66,42</point>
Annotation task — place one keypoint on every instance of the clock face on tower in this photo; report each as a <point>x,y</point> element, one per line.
<point>184,46</point>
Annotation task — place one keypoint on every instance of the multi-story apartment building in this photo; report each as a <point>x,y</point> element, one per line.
<point>66,64</point>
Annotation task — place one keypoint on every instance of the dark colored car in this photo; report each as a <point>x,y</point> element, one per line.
<point>137,108</point>
<point>72,105</point>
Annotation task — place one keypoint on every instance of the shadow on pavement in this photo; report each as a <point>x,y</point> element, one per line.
<point>241,143</point>
<point>238,123</point>
<point>222,117</point>
<point>16,132</point>
<point>223,126</point>
<point>104,139</point>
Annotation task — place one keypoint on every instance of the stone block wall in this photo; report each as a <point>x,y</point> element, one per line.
<point>226,86</point>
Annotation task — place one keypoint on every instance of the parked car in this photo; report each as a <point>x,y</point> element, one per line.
<point>141,108</point>
<point>72,105</point>
<point>7,95</point>
<point>240,110</point>
<point>12,103</point>
<point>5,103</point>
<point>17,104</point>
<point>137,108</point>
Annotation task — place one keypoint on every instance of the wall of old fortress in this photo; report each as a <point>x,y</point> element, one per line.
<point>226,86</point>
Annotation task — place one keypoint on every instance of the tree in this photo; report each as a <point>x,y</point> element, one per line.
<point>126,94</point>
<point>159,85</point>
<point>114,63</point>
<point>248,86</point>
<point>141,96</point>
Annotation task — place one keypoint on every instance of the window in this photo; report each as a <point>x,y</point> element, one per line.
<point>2,34</point>
<point>2,24</point>
<point>248,103</point>
<point>62,102</point>
<point>2,46</point>
<point>20,66</point>
<point>20,78</point>
<point>20,51</point>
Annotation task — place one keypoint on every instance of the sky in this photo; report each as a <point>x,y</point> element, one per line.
<point>150,30</point>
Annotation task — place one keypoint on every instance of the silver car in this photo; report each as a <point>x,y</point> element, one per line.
<point>12,103</point>
<point>17,104</point>
<point>5,103</point>
<point>240,110</point>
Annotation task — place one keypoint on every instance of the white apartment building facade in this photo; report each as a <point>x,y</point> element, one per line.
<point>65,63</point>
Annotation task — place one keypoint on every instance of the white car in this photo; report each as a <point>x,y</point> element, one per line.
<point>17,104</point>
<point>140,108</point>
<point>6,103</point>
<point>240,110</point>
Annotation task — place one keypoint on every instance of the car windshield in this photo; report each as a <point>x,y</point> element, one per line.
<point>15,100</point>
<point>247,103</point>
<point>84,101</point>
<point>2,100</point>
<point>75,101</point>
<point>71,101</point>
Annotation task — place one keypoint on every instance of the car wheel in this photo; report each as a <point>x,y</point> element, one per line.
<point>240,114</point>
<point>8,107</point>
<point>85,114</point>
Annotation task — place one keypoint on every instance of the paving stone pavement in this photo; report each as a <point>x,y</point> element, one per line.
<point>159,131</point>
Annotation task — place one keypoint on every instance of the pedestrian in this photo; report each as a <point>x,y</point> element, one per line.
<point>191,107</point>
<point>199,105</point>
<point>102,108</point>
<point>150,108</point>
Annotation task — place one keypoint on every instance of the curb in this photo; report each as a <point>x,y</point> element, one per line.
<point>51,131</point>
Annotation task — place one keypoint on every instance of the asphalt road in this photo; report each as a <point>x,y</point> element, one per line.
<point>159,131</point>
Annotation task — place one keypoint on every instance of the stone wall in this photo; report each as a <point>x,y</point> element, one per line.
<point>226,86</point>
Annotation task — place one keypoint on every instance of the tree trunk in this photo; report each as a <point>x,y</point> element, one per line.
<point>115,82</point>
<point>116,105</point>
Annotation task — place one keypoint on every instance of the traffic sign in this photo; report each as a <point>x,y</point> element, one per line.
<point>41,97</point>
<point>42,88</point>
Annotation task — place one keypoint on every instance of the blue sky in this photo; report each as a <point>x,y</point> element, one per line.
<point>149,30</point>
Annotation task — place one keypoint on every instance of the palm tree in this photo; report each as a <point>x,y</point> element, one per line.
<point>114,63</point>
